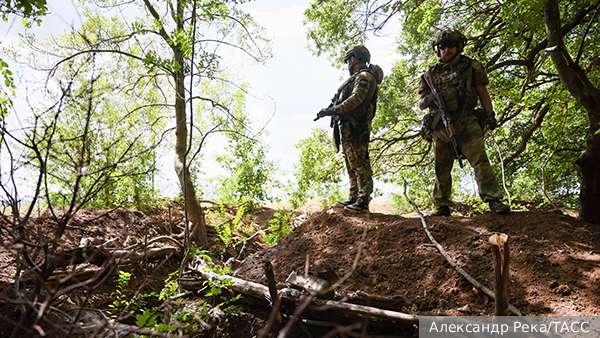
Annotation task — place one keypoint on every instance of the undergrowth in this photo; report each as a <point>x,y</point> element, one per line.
<point>176,312</point>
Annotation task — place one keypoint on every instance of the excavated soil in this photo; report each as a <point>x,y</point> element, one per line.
<point>554,261</point>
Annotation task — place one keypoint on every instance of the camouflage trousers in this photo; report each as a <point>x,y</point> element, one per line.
<point>470,141</point>
<point>355,148</point>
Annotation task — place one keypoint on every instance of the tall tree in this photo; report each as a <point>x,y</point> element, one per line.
<point>181,44</point>
<point>528,87</point>
<point>587,94</point>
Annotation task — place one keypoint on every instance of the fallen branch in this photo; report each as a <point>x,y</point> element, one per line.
<point>120,330</point>
<point>171,239</point>
<point>393,303</point>
<point>128,256</point>
<point>261,291</point>
<point>452,262</point>
<point>370,311</point>
<point>236,284</point>
<point>240,256</point>
<point>88,254</point>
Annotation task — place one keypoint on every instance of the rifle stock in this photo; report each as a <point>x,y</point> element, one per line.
<point>445,117</point>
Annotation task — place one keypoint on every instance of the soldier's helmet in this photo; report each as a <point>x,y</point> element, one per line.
<point>360,52</point>
<point>449,35</point>
<point>379,72</point>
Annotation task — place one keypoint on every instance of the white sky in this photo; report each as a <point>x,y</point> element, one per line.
<point>294,84</point>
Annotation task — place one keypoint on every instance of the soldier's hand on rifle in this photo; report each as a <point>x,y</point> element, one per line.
<point>429,100</point>
<point>490,120</point>
<point>325,112</point>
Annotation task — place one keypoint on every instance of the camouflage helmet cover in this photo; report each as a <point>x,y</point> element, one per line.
<point>450,35</point>
<point>360,52</point>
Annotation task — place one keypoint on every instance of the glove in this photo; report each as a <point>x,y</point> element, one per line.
<point>429,100</point>
<point>490,120</point>
<point>325,112</point>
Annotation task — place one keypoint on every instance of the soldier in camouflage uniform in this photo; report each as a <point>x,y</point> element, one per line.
<point>461,82</point>
<point>352,110</point>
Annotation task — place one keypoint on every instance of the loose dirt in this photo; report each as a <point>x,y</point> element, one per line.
<point>554,260</point>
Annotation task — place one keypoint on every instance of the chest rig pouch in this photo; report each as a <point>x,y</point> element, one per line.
<point>453,82</point>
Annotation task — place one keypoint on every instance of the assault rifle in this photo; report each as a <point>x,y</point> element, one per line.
<point>333,124</point>
<point>445,117</point>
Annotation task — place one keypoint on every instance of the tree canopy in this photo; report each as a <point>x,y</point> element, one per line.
<point>545,110</point>
<point>164,56</point>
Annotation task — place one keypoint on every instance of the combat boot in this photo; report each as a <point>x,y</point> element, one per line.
<point>444,210</point>
<point>498,206</point>
<point>359,205</point>
<point>350,200</point>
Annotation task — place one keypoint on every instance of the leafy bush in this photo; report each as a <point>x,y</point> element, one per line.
<point>319,173</point>
<point>278,226</point>
<point>249,173</point>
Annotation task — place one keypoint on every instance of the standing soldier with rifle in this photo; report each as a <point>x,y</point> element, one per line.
<point>451,89</point>
<point>351,111</point>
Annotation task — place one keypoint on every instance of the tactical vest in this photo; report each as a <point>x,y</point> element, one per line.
<point>365,112</point>
<point>453,81</point>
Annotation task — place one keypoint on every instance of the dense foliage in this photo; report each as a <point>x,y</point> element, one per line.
<point>248,173</point>
<point>542,127</point>
<point>23,8</point>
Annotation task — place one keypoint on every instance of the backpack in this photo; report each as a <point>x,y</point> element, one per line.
<point>377,72</point>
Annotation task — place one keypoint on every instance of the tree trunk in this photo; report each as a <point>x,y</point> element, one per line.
<point>578,84</point>
<point>194,211</point>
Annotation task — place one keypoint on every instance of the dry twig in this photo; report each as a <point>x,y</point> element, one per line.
<point>452,262</point>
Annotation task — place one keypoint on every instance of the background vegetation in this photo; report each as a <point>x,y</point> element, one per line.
<point>121,90</point>
<point>544,125</point>
<point>96,74</point>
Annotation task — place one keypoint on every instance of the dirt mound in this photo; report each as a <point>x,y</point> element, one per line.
<point>555,262</point>
<point>554,269</point>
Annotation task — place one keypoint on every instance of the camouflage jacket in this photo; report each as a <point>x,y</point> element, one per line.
<point>354,99</point>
